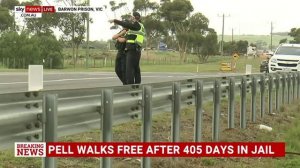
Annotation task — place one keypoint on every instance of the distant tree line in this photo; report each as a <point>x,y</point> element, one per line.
<point>35,41</point>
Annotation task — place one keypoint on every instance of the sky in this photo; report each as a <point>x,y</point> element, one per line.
<point>241,16</point>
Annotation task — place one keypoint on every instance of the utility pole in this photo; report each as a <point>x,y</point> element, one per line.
<point>222,42</point>
<point>73,36</point>
<point>87,37</point>
<point>271,36</point>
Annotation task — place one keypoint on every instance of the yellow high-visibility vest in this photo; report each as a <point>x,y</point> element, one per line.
<point>140,34</point>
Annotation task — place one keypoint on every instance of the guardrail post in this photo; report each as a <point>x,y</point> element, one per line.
<point>176,101</point>
<point>283,89</point>
<point>231,98</point>
<point>262,96</point>
<point>198,113</point>
<point>294,85</point>
<point>216,113</point>
<point>289,88</point>
<point>243,102</point>
<point>277,92</point>
<point>270,93</point>
<point>147,121</point>
<point>298,85</point>
<point>253,98</point>
<point>106,119</point>
<point>50,125</point>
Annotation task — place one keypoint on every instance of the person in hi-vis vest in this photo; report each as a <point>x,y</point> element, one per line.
<point>134,40</point>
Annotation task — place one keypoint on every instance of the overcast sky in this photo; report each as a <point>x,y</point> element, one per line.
<point>243,16</point>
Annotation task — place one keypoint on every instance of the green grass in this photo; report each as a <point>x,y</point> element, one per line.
<point>292,138</point>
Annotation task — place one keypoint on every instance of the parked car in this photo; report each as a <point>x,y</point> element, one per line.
<point>286,58</point>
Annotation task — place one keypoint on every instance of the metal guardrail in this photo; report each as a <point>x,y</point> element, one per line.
<point>24,116</point>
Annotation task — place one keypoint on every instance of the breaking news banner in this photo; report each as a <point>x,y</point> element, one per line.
<point>152,149</point>
<point>36,11</point>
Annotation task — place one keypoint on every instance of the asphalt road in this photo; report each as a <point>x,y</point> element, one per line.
<point>18,81</point>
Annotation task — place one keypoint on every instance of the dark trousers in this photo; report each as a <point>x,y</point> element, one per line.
<point>133,71</point>
<point>120,66</point>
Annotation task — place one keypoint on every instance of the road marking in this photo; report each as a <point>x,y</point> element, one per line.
<point>13,83</point>
<point>58,80</point>
<point>80,79</point>
<point>114,77</point>
<point>77,79</point>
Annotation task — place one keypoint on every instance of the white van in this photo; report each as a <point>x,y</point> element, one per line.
<point>286,58</point>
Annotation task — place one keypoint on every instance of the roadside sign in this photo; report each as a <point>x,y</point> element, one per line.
<point>235,56</point>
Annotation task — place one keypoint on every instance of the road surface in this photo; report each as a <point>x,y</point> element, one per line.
<point>18,81</point>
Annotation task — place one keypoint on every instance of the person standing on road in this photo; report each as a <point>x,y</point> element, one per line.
<point>134,40</point>
<point>120,64</point>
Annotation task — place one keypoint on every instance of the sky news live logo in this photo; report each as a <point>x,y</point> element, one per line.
<point>30,149</point>
<point>23,12</point>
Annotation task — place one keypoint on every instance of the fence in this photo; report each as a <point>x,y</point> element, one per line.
<point>27,116</point>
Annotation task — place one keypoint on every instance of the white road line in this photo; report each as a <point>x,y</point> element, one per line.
<point>82,79</point>
<point>12,83</point>
<point>58,80</point>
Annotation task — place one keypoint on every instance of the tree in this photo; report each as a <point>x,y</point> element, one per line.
<point>21,50</point>
<point>210,45</point>
<point>197,34</point>
<point>295,33</point>
<point>43,25</point>
<point>242,46</point>
<point>9,4</point>
<point>50,50</point>
<point>191,33</point>
<point>154,28</point>
<point>283,41</point>
<point>177,10</point>
<point>73,28</point>
<point>230,47</point>
<point>6,20</point>
<point>236,46</point>
<point>175,15</point>
<point>143,6</point>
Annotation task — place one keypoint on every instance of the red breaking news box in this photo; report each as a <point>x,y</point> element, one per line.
<point>48,9</point>
<point>33,9</point>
